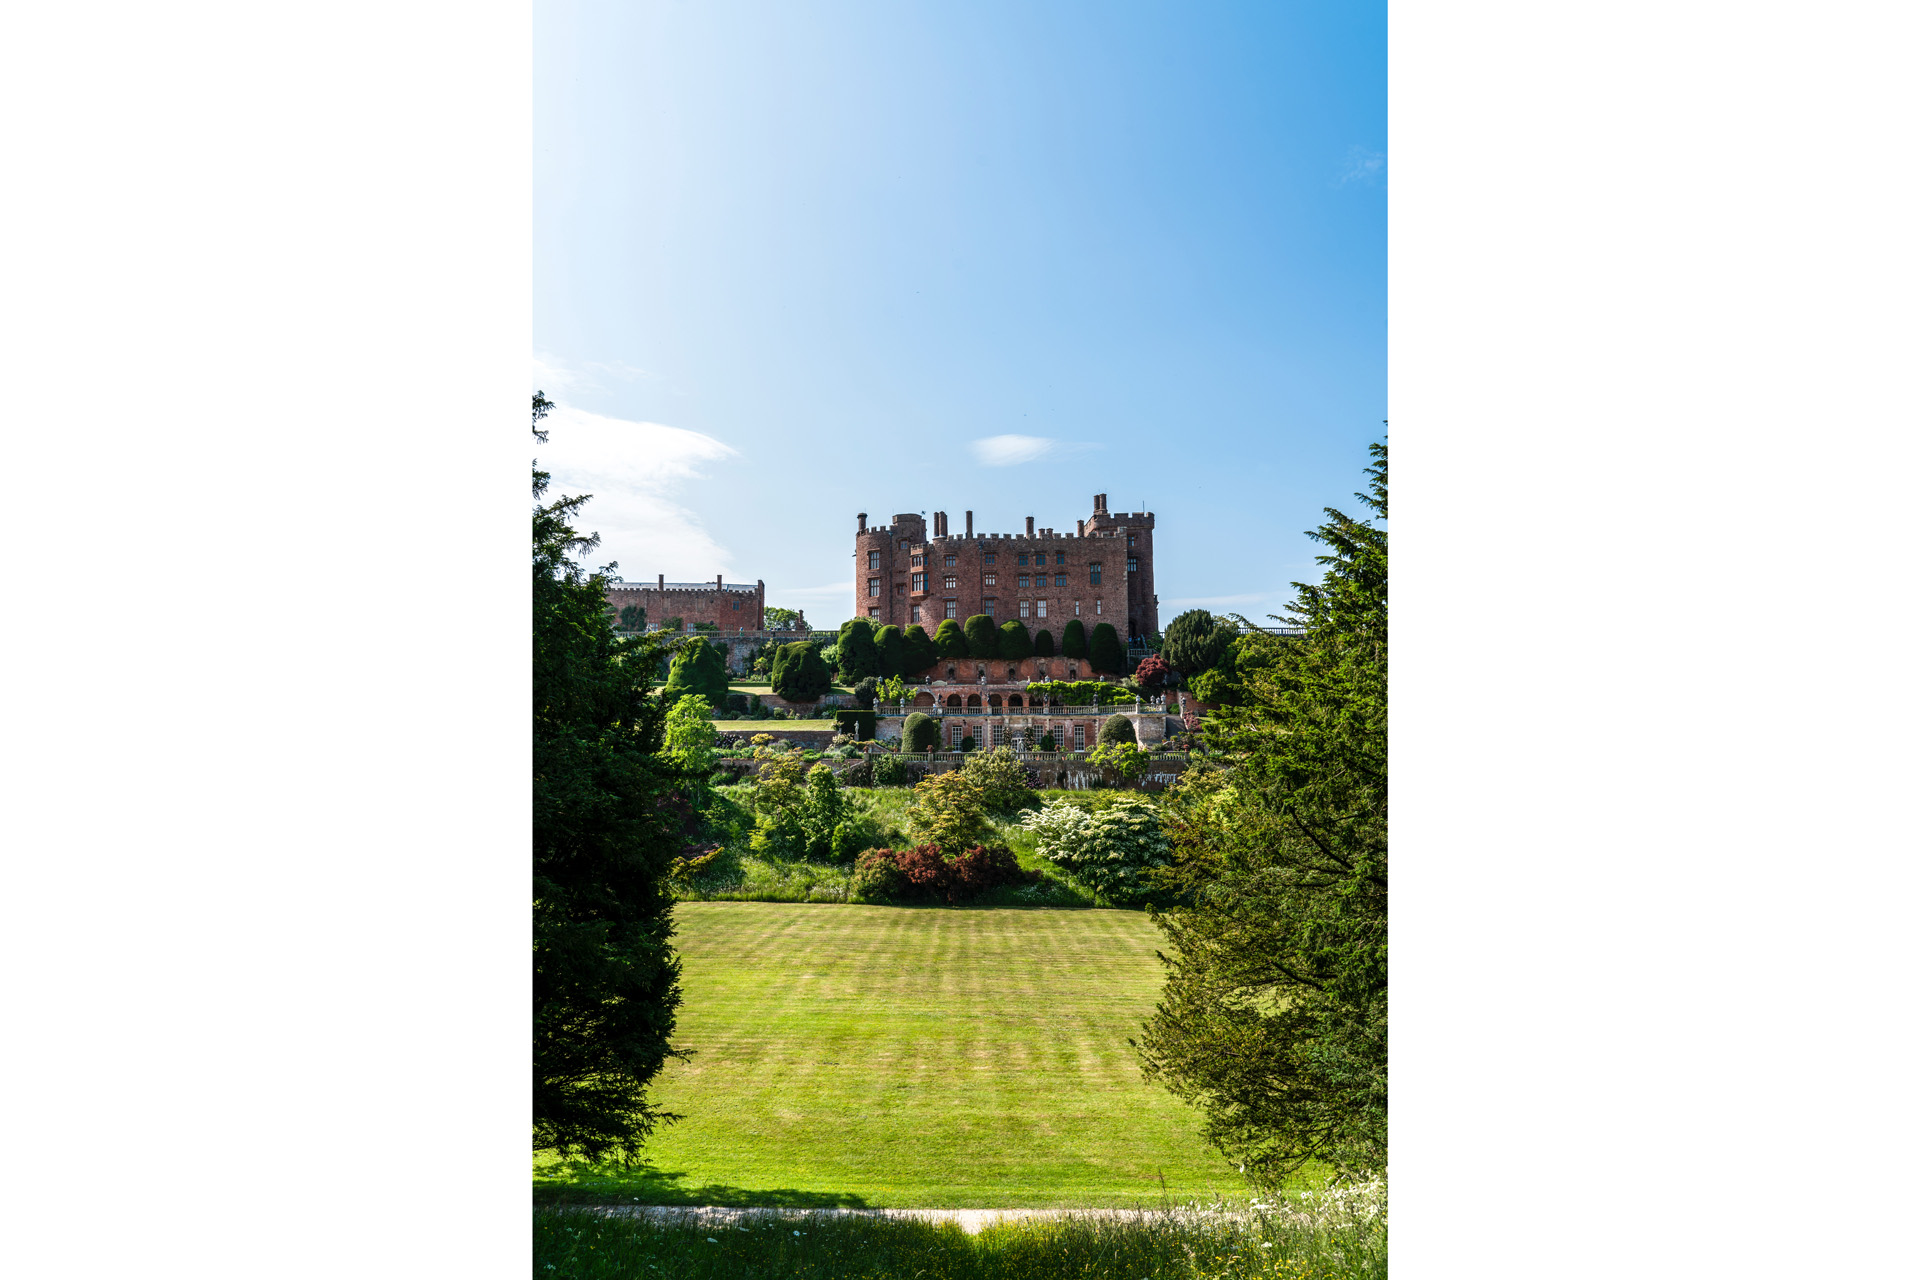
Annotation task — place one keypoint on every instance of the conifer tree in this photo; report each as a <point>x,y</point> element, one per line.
<point>949,641</point>
<point>1043,643</point>
<point>1273,1021</point>
<point>892,647</point>
<point>921,651</point>
<point>1104,650</point>
<point>983,640</point>
<point>699,669</point>
<point>1073,640</point>
<point>1015,644</point>
<point>610,816</point>
<point>858,656</point>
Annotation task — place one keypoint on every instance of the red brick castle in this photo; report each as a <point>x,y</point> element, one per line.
<point>1101,572</point>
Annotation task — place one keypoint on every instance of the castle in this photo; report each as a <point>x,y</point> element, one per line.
<point>1101,572</point>
<point>731,606</point>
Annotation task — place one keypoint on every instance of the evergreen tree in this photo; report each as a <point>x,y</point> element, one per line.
<point>949,641</point>
<point>1043,643</point>
<point>983,641</point>
<point>1274,1017</point>
<point>804,675</point>
<point>1196,641</point>
<point>1104,650</point>
<point>1116,730</point>
<point>1073,639</point>
<point>920,732</point>
<point>610,815</point>
<point>892,645</point>
<point>699,669</point>
<point>859,657</point>
<point>921,651</point>
<point>1015,644</point>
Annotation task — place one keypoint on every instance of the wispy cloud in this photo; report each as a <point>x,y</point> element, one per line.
<point>558,378</point>
<point>1225,602</point>
<point>1008,451</point>
<point>1363,166</point>
<point>634,470</point>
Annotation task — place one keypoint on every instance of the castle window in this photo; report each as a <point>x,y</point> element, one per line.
<point>953,608</point>
<point>873,559</point>
<point>1040,608</point>
<point>873,613</point>
<point>986,606</point>
<point>1096,606</point>
<point>953,583</point>
<point>1093,574</point>
<point>736,606</point>
<point>1059,579</point>
<point>919,583</point>
<point>873,586</point>
<point>905,543</point>
<point>1129,539</point>
<point>991,557</point>
<point>951,562</point>
<point>990,578</point>
<point>1133,564</point>
<point>919,562</point>
<point>1076,608</point>
<point>1059,557</point>
<point>915,614</point>
<point>1023,608</point>
<point>1024,582</point>
<point>1023,557</point>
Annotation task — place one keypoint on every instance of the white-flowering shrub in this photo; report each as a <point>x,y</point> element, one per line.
<point>1105,851</point>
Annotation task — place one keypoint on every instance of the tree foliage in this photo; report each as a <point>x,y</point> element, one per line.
<point>1118,728</point>
<point>1043,643</point>
<point>800,674</point>
<point>1073,639</point>
<point>921,651</point>
<point>1273,1021</point>
<point>1006,785</point>
<point>1015,643</point>
<point>1111,852</point>
<point>1197,641</point>
<point>949,641</point>
<point>920,732</point>
<point>1105,651</point>
<point>892,645</point>
<point>778,619</point>
<point>1153,672</point>
<point>633,617</point>
<point>858,655</point>
<point>949,810</point>
<point>700,670</point>
<point>690,735</point>
<point>610,818</point>
<point>983,638</point>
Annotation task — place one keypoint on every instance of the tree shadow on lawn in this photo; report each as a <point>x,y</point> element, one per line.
<point>578,1182</point>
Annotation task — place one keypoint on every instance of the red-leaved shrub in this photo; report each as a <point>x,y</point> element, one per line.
<point>922,870</point>
<point>1152,673</point>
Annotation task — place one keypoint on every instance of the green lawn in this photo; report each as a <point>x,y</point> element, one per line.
<point>901,1057</point>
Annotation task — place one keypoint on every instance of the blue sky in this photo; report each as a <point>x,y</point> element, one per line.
<point>794,262</point>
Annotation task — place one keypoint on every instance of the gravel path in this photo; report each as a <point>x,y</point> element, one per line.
<point>970,1220</point>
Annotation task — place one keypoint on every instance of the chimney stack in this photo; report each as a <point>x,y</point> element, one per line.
<point>1029,526</point>
<point>1079,528</point>
<point>863,523</point>
<point>969,524</point>
<point>1099,504</point>
<point>662,587</point>
<point>719,582</point>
